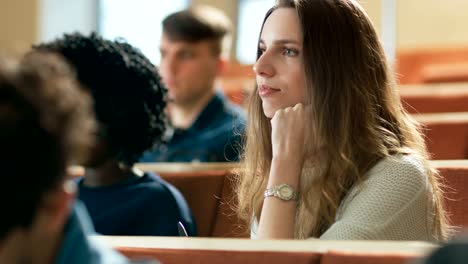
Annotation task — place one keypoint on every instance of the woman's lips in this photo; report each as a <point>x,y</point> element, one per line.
<point>265,90</point>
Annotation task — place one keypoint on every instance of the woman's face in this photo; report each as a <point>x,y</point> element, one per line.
<point>280,68</point>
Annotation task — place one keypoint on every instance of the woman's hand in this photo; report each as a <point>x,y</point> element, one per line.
<point>288,134</point>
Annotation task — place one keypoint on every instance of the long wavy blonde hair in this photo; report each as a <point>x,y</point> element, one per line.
<point>356,114</point>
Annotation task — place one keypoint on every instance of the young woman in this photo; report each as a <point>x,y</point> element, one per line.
<point>330,152</point>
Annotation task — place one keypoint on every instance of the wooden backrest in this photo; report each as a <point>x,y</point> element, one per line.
<point>208,189</point>
<point>435,98</point>
<point>210,196</point>
<point>454,175</point>
<point>237,81</point>
<point>446,134</point>
<point>432,65</point>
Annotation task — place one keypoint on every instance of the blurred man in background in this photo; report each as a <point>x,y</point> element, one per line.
<point>205,127</point>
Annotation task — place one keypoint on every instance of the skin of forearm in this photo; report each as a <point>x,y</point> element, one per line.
<point>278,217</point>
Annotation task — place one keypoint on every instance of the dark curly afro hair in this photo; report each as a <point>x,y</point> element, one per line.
<point>129,98</point>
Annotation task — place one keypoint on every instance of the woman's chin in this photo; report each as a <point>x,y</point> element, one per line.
<point>269,112</point>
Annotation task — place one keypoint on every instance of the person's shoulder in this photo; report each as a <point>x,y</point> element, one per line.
<point>158,186</point>
<point>151,182</point>
<point>398,176</point>
<point>400,169</point>
<point>162,196</point>
<point>150,186</point>
<point>78,181</point>
<point>393,186</point>
<point>230,121</point>
<point>172,197</point>
<point>237,113</point>
<point>235,118</point>
<point>79,246</point>
<point>395,181</point>
<point>232,110</point>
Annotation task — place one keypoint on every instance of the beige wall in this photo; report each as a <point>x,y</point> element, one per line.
<point>372,7</point>
<point>432,23</point>
<point>374,10</point>
<point>64,16</point>
<point>229,7</point>
<point>18,25</point>
<point>420,23</point>
<point>24,22</point>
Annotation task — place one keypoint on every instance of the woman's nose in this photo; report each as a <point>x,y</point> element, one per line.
<point>263,66</point>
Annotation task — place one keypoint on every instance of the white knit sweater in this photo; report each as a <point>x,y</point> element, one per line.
<point>393,203</point>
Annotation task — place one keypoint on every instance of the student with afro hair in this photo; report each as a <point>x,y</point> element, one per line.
<point>129,102</point>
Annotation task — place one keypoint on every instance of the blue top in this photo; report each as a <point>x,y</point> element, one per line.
<point>215,136</point>
<point>139,206</point>
<point>77,247</point>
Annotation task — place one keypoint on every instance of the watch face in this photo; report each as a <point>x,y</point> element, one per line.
<point>286,192</point>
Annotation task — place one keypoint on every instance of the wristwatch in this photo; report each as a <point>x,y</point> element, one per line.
<point>284,191</point>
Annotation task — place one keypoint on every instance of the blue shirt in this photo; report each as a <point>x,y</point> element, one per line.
<point>140,206</point>
<point>77,247</point>
<point>215,136</point>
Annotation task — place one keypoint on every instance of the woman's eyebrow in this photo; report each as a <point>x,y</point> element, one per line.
<point>281,42</point>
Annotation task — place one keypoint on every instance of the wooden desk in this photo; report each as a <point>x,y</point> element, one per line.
<point>238,244</point>
<point>172,167</point>
<point>227,251</point>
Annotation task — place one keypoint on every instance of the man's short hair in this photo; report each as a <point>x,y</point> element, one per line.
<point>45,124</point>
<point>198,24</point>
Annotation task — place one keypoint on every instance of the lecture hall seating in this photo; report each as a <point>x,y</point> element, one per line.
<point>208,189</point>
<point>205,184</point>
<point>435,98</point>
<point>432,65</point>
<point>454,174</point>
<point>446,134</point>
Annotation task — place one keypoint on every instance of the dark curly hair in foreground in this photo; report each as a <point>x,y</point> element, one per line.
<point>129,98</point>
<point>46,123</point>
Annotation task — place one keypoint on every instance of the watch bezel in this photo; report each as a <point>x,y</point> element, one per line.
<point>287,188</point>
<point>276,192</point>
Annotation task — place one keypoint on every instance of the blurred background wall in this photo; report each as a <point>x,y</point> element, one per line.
<point>419,23</point>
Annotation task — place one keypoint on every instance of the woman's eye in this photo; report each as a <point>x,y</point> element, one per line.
<point>290,52</point>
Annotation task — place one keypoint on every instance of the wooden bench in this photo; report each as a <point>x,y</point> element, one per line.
<point>216,250</point>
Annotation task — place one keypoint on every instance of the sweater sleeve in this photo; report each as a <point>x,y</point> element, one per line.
<point>392,204</point>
